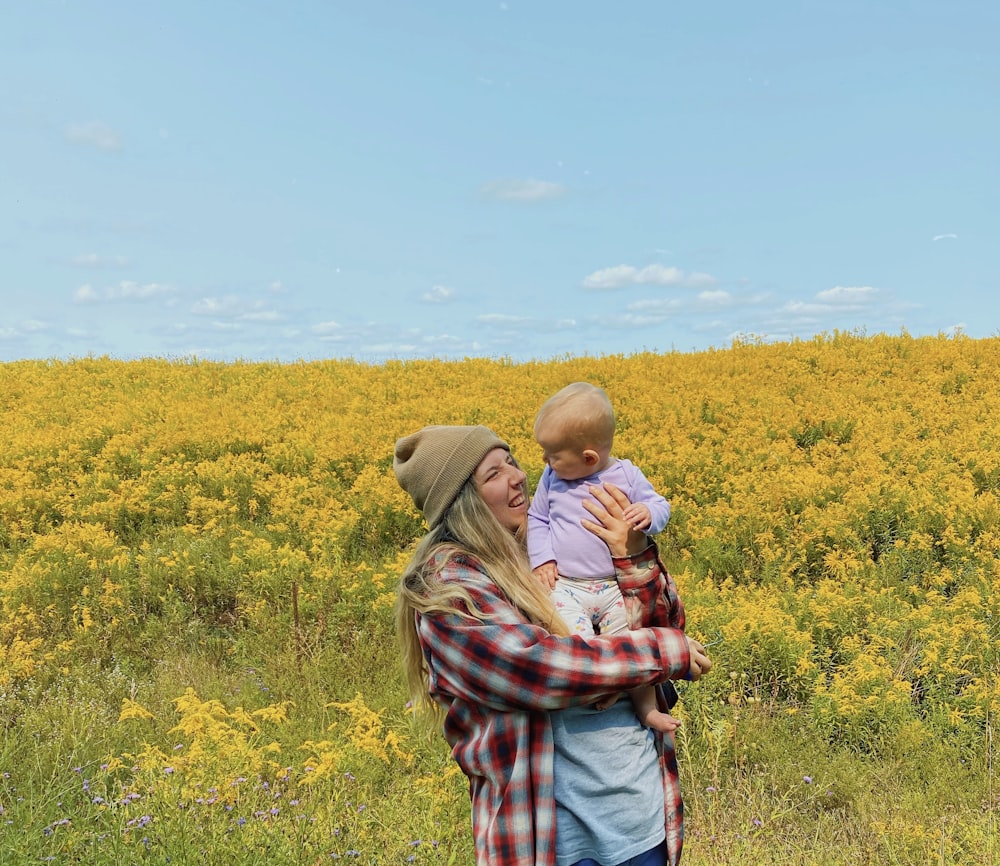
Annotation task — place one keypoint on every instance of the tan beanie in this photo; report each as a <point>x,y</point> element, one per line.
<point>434,463</point>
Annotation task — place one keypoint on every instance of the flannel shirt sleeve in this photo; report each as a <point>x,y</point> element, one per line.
<point>649,591</point>
<point>506,663</point>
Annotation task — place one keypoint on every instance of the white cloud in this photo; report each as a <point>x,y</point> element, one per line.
<point>507,324</point>
<point>620,276</point>
<point>610,278</point>
<point>635,319</point>
<point>85,295</point>
<point>227,306</point>
<point>24,330</point>
<point>503,319</point>
<point>235,308</point>
<point>499,334</point>
<point>699,280</point>
<point>445,340</point>
<point>659,306</point>
<point>717,298</point>
<point>523,190</point>
<point>438,295</point>
<point>943,237</point>
<point>841,307</point>
<point>126,290</point>
<point>94,134</point>
<point>804,308</point>
<point>707,301</point>
<point>93,260</point>
<point>839,299</point>
<point>326,328</point>
<point>391,350</point>
<point>851,295</point>
<point>660,275</point>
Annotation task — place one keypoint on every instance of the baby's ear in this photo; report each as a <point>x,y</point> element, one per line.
<point>591,457</point>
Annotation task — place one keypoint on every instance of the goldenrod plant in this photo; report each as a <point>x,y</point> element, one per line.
<point>197,570</point>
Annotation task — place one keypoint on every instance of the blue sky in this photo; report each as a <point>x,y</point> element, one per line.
<point>302,180</point>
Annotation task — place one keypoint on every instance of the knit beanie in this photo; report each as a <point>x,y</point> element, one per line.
<point>433,464</point>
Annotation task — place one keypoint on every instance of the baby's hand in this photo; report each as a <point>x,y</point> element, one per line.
<point>547,573</point>
<point>637,516</point>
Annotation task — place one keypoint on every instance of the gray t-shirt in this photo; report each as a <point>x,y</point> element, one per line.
<point>609,793</point>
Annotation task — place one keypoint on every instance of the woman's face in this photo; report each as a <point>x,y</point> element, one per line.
<point>503,488</point>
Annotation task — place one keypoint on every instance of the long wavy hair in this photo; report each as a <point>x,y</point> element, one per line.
<point>468,528</point>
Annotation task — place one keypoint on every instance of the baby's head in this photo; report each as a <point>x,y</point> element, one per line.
<point>576,428</point>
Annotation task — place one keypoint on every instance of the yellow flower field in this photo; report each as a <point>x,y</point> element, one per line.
<point>835,536</point>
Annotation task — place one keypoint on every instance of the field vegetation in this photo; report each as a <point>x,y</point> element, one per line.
<point>197,569</point>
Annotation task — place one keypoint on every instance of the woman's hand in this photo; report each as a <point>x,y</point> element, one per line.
<point>611,526</point>
<point>700,662</point>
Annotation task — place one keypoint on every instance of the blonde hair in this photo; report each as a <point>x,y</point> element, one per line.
<point>581,415</point>
<point>468,528</point>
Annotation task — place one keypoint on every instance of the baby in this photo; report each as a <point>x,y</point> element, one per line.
<point>575,429</point>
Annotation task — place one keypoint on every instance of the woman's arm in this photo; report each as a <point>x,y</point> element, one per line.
<point>506,663</point>
<point>648,591</point>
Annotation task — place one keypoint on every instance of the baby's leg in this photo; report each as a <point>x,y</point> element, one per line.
<point>614,620</point>
<point>573,601</point>
<point>610,614</point>
<point>644,702</point>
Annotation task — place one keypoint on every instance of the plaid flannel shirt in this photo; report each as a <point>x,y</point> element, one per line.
<point>498,679</point>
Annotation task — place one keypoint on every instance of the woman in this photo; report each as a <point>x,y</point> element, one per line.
<point>484,648</point>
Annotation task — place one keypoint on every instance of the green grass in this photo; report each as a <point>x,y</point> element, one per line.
<point>769,789</point>
<point>762,784</point>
